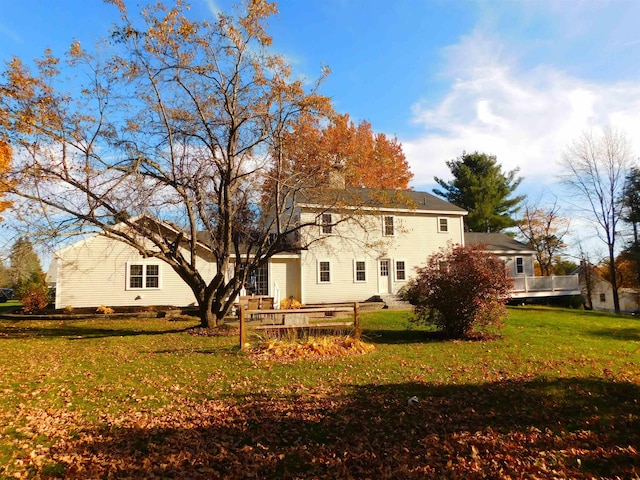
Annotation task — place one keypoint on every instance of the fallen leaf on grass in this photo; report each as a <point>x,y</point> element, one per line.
<point>314,347</point>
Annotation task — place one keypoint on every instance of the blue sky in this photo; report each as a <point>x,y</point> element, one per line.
<point>518,79</point>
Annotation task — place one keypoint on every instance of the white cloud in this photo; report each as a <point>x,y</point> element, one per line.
<point>525,118</point>
<point>213,8</point>
<point>7,32</point>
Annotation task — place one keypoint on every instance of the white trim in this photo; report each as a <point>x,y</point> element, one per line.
<point>321,282</point>
<point>324,225</point>
<point>395,270</point>
<point>144,265</point>
<point>384,225</point>
<point>512,253</point>
<point>446,219</point>
<point>301,267</point>
<point>279,256</point>
<point>59,285</point>
<point>85,239</point>
<point>355,271</point>
<point>385,280</point>
<point>515,266</point>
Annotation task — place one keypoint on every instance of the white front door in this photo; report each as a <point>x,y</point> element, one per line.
<point>383,275</point>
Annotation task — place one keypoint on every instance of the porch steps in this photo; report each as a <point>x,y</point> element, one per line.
<point>393,302</point>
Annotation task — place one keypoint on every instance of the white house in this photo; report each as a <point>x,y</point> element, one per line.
<point>350,256</point>
<point>597,292</point>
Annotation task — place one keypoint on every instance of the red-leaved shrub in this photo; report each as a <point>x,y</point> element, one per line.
<point>35,298</point>
<point>461,289</point>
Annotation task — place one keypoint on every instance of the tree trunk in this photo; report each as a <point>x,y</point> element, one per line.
<point>207,318</point>
<point>636,251</point>
<point>614,280</point>
<point>213,309</point>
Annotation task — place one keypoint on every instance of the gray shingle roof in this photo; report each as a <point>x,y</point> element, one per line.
<point>497,242</point>
<point>384,199</point>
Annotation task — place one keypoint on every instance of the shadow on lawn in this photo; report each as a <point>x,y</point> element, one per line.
<point>395,336</point>
<point>419,336</point>
<point>74,332</point>
<point>618,333</point>
<point>567,428</point>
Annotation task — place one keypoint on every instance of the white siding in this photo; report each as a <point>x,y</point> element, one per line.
<point>510,264</point>
<point>93,272</point>
<point>286,273</point>
<point>415,238</point>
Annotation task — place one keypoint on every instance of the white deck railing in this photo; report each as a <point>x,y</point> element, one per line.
<point>553,283</point>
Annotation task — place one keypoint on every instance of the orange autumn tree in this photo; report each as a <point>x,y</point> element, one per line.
<point>366,159</point>
<point>627,271</point>
<point>544,229</point>
<point>5,164</point>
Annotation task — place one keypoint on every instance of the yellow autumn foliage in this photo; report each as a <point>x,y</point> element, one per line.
<point>290,304</point>
<point>313,347</point>
<point>5,164</point>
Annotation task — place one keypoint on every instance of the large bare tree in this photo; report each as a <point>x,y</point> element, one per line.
<point>596,165</point>
<point>172,118</point>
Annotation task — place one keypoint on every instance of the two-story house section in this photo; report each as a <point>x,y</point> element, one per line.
<point>370,244</point>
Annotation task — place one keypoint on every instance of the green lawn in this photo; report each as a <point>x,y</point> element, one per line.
<point>557,396</point>
<point>9,306</point>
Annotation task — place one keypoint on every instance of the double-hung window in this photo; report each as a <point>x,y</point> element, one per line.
<point>360,271</point>
<point>519,265</point>
<point>387,226</point>
<point>401,270</point>
<point>443,225</point>
<point>143,276</point>
<point>326,223</point>
<point>324,271</point>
